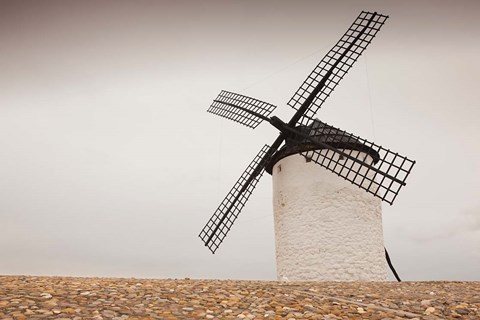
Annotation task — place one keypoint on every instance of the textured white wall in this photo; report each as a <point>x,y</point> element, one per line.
<point>325,228</point>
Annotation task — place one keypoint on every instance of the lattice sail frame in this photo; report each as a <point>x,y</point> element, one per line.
<point>333,66</point>
<point>233,106</point>
<point>365,164</point>
<point>227,212</point>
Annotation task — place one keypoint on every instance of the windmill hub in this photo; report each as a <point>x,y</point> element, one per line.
<point>327,223</point>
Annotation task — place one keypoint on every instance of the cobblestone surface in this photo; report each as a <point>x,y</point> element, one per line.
<point>24,297</point>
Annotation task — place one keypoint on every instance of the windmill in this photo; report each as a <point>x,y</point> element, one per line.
<point>309,153</point>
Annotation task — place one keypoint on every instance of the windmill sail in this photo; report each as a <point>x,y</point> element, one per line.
<point>365,164</point>
<point>222,220</point>
<point>333,67</point>
<point>245,110</point>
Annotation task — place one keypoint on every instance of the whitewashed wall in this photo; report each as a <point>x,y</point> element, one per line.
<point>325,228</point>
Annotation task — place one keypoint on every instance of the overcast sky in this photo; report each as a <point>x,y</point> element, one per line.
<point>110,164</point>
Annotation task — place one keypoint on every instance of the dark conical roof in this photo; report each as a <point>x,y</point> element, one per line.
<point>324,134</point>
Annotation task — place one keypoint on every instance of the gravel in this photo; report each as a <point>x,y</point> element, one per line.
<point>26,297</point>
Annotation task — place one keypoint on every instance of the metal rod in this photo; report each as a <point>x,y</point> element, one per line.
<point>391,265</point>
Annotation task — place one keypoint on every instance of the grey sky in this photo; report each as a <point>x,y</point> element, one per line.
<point>110,165</point>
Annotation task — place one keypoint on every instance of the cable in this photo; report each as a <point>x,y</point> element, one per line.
<point>369,96</point>
<point>282,69</point>
<point>391,265</point>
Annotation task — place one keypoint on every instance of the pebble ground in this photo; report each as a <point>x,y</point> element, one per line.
<point>26,297</point>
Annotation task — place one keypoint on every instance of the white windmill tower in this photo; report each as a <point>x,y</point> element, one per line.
<point>326,228</point>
